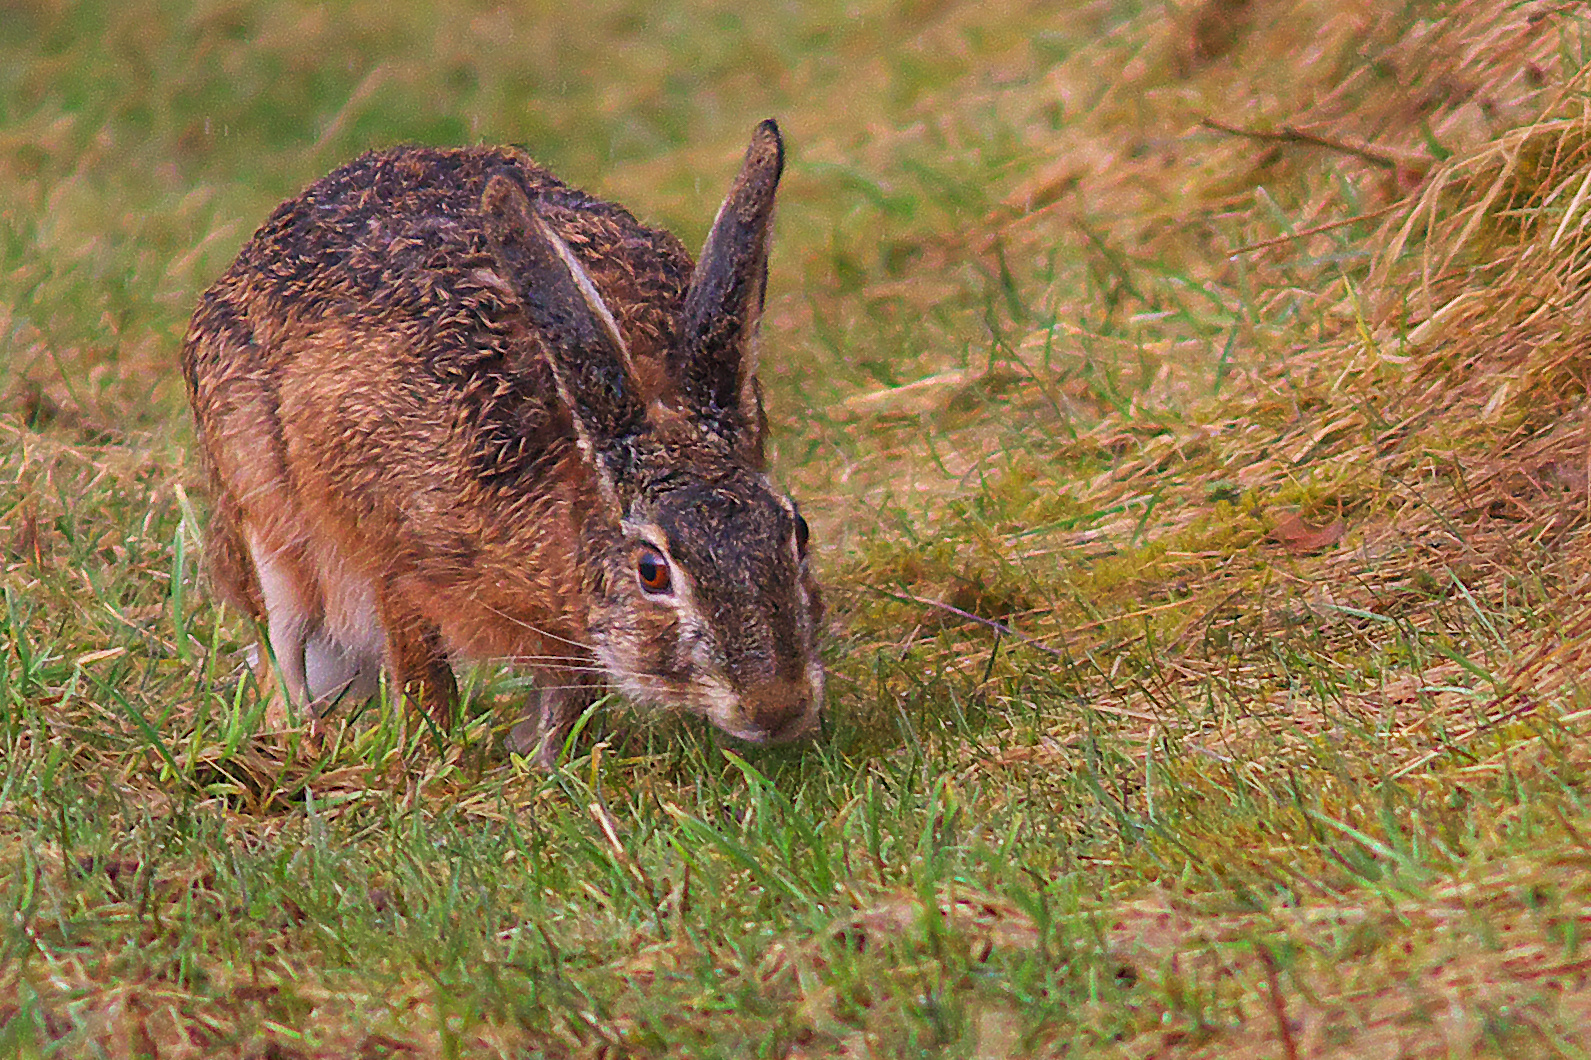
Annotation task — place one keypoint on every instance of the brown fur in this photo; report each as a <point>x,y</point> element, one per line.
<point>409,410</point>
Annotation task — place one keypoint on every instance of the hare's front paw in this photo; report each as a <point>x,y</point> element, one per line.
<point>540,735</point>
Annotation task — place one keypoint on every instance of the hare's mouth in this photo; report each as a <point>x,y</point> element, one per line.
<point>790,730</point>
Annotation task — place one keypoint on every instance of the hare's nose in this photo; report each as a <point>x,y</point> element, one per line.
<point>778,711</point>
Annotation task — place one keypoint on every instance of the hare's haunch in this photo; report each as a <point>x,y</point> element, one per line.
<point>454,409</point>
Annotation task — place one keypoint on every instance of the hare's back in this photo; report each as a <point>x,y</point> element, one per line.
<point>396,238</point>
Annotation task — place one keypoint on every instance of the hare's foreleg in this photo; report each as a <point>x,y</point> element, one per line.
<point>552,712</point>
<point>417,660</point>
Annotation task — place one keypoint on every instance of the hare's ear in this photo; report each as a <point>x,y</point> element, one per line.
<point>588,357</point>
<point>716,366</point>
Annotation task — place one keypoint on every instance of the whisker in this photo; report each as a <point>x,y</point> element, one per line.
<point>567,688</point>
<point>539,632</point>
<point>562,660</point>
<point>509,660</point>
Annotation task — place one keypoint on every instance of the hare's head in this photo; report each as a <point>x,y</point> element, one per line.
<point>695,563</point>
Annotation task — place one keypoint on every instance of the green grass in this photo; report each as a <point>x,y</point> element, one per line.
<point>1133,750</point>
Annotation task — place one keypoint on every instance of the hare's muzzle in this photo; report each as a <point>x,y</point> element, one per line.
<point>775,711</point>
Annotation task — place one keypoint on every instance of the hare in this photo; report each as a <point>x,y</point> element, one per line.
<point>453,409</point>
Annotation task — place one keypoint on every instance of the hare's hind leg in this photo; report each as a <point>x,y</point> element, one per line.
<point>337,671</point>
<point>291,606</point>
<point>228,567</point>
<point>342,658</point>
<point>268,588</point>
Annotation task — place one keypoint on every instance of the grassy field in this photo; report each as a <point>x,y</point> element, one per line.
<point>1190,403</point>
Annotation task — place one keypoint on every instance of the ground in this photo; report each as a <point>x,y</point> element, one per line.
<point>1189,403</point>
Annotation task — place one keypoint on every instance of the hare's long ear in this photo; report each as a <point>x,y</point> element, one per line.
<point>588,356</point>
<point>716,368</point>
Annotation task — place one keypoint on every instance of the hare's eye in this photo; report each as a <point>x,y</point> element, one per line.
<point>652,569</point>
<point>801,534</point>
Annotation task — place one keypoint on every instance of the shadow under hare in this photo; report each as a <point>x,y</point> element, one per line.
<point>453,409</point>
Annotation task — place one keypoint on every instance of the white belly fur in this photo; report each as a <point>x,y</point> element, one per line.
<point>323,622</point>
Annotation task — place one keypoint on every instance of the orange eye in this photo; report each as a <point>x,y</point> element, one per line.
<point>652,569</point>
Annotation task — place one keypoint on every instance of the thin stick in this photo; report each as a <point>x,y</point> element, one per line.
<point>1315,231</point>
<point>1290,134</point>
<point>998,627</point>
<point>1278,1006</point>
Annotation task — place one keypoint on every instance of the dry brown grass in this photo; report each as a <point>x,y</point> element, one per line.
<point>1390,482</point>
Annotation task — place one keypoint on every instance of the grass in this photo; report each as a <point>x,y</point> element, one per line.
<point>1204,508</point>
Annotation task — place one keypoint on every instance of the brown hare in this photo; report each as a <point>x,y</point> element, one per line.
<point>453,409</point>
